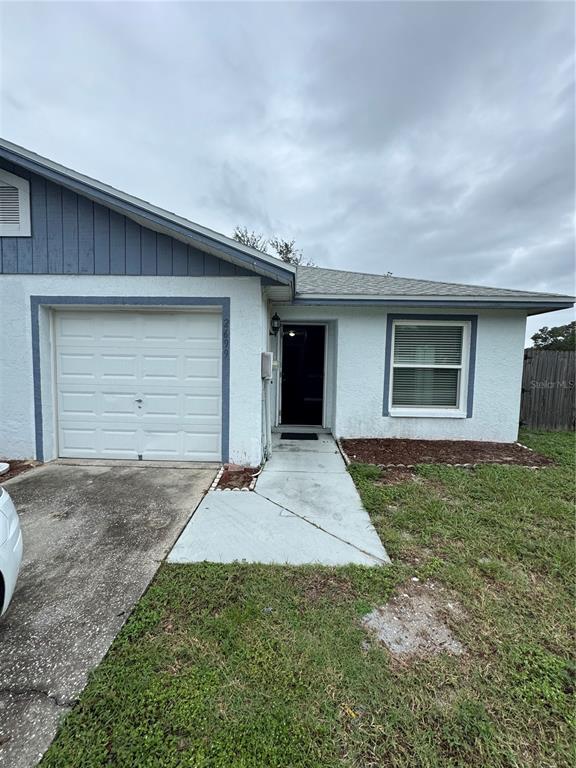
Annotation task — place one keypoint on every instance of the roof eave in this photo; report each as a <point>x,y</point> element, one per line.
<point>152,216</point>
<point>528,304</point>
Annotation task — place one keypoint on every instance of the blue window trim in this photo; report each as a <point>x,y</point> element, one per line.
<point>130,301</point>
<point>472,319</point>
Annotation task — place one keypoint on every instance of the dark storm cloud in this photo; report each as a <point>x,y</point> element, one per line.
<point>431,139</point>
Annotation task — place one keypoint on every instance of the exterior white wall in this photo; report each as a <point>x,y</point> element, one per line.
<point>17,428</point>
<point>360,375</point>
<point>359,363</point>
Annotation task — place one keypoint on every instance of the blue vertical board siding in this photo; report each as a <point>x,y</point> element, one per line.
<point>117,244</point>
<point>24,255</point>
<point>211,265</point>
<point>148,244</point>
<point>40,239</point>
<point>70,232</point>
<point>73,235</point>
<point>227,269</point>
<point>133,253</point>
<point>85,236</point>
<point>9,255</point>
<point>54,228</point>
<point>179,258</point>
<point>101,240</point>
<point>195,262</point>
<point>164,255</point>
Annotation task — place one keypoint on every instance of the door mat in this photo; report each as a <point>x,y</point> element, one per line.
<point>298,436</point>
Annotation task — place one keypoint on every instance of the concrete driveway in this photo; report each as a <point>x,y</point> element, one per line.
<point>94,537</point>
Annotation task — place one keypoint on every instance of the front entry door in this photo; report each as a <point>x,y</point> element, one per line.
<point>302,396</point>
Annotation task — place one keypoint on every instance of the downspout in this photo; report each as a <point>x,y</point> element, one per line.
<point>267,418</point>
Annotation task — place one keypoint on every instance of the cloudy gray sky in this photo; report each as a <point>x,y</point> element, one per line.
<point>430,139</point>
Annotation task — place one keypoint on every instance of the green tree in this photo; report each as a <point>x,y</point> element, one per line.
<point>251,239</point>
<point>561,337</point>
<point>286,250</point>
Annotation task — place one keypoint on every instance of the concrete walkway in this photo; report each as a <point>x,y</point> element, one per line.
<point>305,509</point>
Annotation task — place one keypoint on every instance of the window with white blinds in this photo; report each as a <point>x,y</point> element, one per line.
<point>14,205</point>
<point>428,365</point>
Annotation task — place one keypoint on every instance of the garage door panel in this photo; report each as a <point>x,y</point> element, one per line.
<point>116,326</point>
<point>73,327</point>
<point>76,366</point>
<point>162,443</point>
<point>162,325</point>
<point>202,405</point>
<point>163,405</point>
<point>92,405</point>
<point>201,345</point>
<point>149,396</point>
<point>118,404</point>
<point>138,384</point>
<point>201,368</point>
<point>198,444</point>
<point>81,403</point>
<point>81,440</point>
<point>161,368</point>
<point>119,441</point>
<point>207,328</point>
<point>118,367</point>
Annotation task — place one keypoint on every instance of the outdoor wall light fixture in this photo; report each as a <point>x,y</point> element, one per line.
<point>275,324</point>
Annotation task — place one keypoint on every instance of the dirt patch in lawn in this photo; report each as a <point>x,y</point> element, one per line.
<point>413,624</point>
<point>395,475</point>
<point>324,585</point>
<point>390,451</point>
<point>237,478</point>
<point>17,466</point>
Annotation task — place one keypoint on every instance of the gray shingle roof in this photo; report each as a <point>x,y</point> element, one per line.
<point>339,283</point>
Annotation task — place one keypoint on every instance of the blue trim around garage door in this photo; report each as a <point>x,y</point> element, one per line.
<point>131,301</point>
<point>472,319</point>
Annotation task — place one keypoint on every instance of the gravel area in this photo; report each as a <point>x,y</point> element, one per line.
<point>415,623</point>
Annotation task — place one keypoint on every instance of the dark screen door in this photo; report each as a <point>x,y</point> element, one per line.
<point>302,374</point>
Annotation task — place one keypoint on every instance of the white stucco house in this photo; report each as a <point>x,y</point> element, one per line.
<point>128,332</point>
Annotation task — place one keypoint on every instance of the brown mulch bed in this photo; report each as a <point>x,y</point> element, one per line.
<point>385,451</point>
<point>16,467</point>
<point>237,477</point>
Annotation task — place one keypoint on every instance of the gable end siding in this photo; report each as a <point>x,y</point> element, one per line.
<point>71,235</point>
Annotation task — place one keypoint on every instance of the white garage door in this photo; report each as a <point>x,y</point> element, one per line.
<point>139,385</point>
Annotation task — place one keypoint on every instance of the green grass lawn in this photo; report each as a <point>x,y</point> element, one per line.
<point>263,666</point>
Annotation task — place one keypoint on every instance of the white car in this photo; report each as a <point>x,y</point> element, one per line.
<point>10,549</point>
